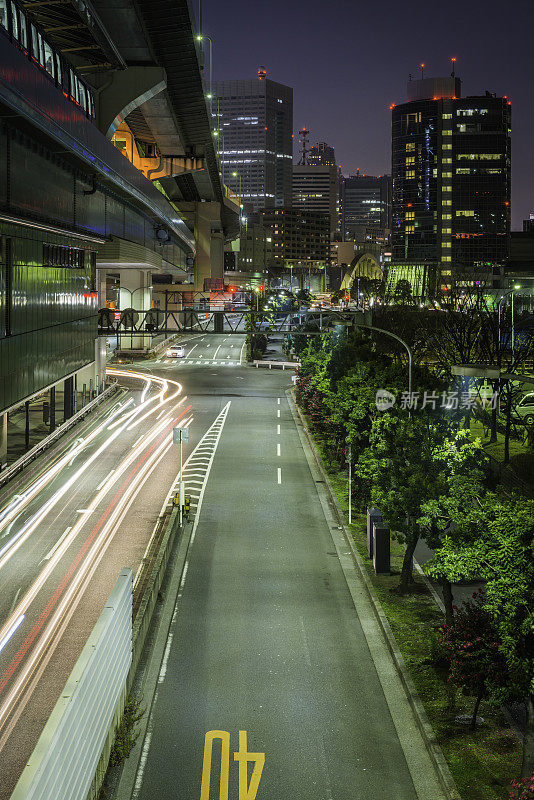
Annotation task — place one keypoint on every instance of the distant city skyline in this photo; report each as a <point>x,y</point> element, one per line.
<point>348,64</point>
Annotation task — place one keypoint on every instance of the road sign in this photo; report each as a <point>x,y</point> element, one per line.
<point>180,435</point>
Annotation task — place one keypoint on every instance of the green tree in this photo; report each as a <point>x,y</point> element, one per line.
<point>401,464</point>
<point>403,293</point>
<point>500,551</point>
<point>477,665</point>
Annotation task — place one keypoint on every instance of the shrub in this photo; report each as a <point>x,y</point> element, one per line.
<point>522,789</point>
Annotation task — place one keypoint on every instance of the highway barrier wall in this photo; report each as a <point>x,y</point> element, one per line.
<point>73,745</point>
<point>144,614</point>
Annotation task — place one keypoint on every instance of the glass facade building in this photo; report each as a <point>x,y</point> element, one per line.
<point>451,181</point>
<point>365,202</point>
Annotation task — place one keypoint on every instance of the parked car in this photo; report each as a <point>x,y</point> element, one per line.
<point>175,351</point>
<point>525,408</point>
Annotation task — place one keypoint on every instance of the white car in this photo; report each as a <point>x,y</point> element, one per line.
<point>525,408</point>
<point>175,351</point>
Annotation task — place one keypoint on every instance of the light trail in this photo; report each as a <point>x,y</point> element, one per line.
<point>139,463</point>
<point>78,575</point>
<point>16,541</point>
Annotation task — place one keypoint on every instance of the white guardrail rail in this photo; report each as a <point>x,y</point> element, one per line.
<point>279,364</point>
<point>65,759</point>
<point>32,454</point>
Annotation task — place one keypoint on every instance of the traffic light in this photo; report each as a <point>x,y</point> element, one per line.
<point>187,505</point>
<point>346,297</point>
<point>262,287</point>
<point>231,289</point>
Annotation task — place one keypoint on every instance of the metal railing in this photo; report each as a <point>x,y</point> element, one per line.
<point>32,454</point>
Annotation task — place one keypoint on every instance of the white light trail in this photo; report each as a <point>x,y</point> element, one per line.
<point>5,639</point>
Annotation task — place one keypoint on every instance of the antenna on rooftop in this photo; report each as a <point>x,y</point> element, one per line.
<point>453,62</point>
<point>304,133</point>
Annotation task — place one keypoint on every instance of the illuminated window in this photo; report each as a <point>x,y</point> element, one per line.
<point>471,112</point>
<point>446,216</point>
<point>446,202</point>
<point>445,244</point>
<point>410,229</point>
<point>480,156</point>
<point>463,170</point>
<point>446,258</point>
<point>446,160</point>
<point>446,146</point>
<point>446,271</point>
<point>410,215</point>
<point>446,188</point>
<point>446,116</point>
<point>446,230</point>
<point>465,213</point>
<point>410,173</point>
<point>410,160</point>
<point>446,174</point>
<point>447,133</point>
<point>410,146</point>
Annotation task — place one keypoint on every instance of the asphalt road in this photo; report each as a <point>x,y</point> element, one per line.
<point>266,638</point>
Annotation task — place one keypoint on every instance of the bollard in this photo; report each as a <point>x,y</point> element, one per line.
<point>373,515</point>
<point>381,561</point>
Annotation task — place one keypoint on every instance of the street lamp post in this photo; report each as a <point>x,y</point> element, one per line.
<point>405,344</point>
<point>349,461</point>
<point>181,435</point>
<point>511,292</point>
<point>236,174</point>
<point>200,38</point>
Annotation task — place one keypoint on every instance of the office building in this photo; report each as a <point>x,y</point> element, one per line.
<point>254,120</point>
<point>451,184</point>
<point>365,201</point>
<point>300,239</point>
<point>250,255</point>
<point>315,188</point>
<point>321,155</point>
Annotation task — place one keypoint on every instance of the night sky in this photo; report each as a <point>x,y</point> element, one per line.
<point>348,61</point>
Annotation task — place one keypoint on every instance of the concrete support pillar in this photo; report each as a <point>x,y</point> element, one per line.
<point>68,398</point>
<point>136,293</point>
<point>209,259</point>
<point>203,247</point>
<point>101,286</point>
<point>3,440</point>
<point>217,255</point>
<point>27,425</point>
<point>52,409</point>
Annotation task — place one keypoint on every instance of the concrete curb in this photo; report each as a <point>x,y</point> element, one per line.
<point>427,732</point>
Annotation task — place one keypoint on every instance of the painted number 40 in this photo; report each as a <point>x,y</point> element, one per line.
<point>247,791</point>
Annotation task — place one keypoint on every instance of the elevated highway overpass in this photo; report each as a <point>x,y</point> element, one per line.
<point>73,208</point>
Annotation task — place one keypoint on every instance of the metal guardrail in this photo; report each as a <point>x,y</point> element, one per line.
<point>283,364</point>
<point>32,454</point>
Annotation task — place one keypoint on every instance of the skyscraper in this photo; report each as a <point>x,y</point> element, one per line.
<point>365,201</point>
<point>254,119</point>
<point>315,188</point>
<point>451,184</point>
<point>321,155</point>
